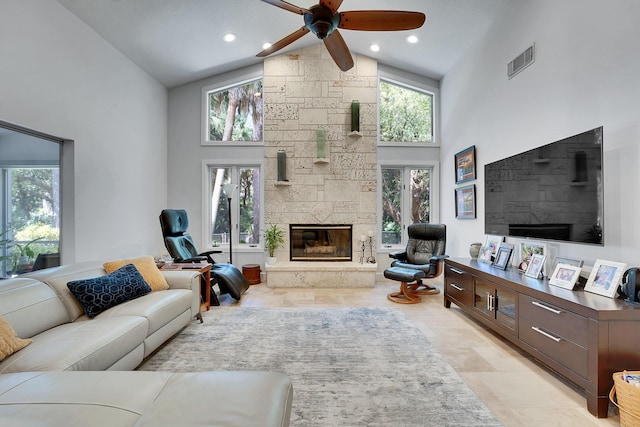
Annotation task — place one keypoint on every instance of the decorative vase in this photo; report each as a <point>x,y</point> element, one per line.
<point>271,260</point>
<point>474,249</point>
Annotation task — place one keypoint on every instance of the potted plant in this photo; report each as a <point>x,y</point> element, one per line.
<point>24,253</point>
<point>274,239</point>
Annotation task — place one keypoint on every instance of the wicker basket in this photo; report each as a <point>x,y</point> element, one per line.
<point>627,398</point>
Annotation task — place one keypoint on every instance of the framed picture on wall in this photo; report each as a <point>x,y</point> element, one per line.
<point>605,277</point>
<point>466,202</point>
<point>465,164</point>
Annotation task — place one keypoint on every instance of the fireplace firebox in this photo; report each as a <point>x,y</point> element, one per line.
<point>315,242</point>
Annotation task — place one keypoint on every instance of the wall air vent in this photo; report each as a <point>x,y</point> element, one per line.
<point>521,61</point>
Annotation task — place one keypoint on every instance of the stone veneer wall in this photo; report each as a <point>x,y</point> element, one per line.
<point>304,91</point>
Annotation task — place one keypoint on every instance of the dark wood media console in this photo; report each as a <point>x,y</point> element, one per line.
<point>582,336</point>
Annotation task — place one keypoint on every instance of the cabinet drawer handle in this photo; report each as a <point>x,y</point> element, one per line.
<point>455,270</point>
<point>540,331</point>
<point>553,310</point>
<point>456,287</point>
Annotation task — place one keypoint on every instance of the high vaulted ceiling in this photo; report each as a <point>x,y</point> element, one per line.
<point>180,41</point>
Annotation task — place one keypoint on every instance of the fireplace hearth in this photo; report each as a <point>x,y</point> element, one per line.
<point>316,242</point>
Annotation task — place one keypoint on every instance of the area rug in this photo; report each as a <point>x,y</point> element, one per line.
<point>349,366</point>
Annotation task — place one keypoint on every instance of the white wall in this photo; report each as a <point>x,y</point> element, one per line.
<point>585,75</point>
<point>59,77</point>
<point>186,155</point>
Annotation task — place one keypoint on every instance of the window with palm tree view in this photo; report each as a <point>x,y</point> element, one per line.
<point>245,205</point>
<point>235,113</point>
<point>406,199</point>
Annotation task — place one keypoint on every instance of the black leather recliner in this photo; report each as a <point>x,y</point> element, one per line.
<point>422,259</point>
<point>174,223</point>
<point>425,249</point>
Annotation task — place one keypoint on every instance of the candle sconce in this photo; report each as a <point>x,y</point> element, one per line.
<point>355,118</point>
<point>282,165</point>
<point>321,146</point>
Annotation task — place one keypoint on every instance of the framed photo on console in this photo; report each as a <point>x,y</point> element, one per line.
<point>526,252</point>
<point>485,255</point>
<point>605,277</point>
<point>565,275</point>
<point>534,268</point>
<point>493,242</point>
<point>502,257</point>
<point>562,260</point>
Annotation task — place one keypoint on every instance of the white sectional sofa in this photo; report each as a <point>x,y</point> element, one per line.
<point>41,307</point>
<point>74,372</point>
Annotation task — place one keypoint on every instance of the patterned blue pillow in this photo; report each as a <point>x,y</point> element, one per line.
<point>100,293</point>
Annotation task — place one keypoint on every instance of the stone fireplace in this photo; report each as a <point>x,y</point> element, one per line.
<point>320,242</point>
<point>307,103</point>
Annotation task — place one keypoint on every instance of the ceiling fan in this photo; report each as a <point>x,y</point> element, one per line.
<point>323,20</point>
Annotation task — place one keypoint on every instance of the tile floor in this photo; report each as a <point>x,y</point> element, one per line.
<point>516,389</point>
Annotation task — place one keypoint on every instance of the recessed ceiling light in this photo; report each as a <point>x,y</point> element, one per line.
<point>266,45</point>
<point>374,48</point>
<point>412,39</point>
<point>229,37</point>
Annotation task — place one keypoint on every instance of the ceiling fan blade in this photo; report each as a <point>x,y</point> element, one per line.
<point>339,51</point>
<point>284,42</point>
<point>287,6</point>
<point>332,5</point>
<point>381,20</point>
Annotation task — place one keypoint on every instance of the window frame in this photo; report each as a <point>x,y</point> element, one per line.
<point>235,165</point>
<point>417,83</point>
<point>218,87</point>
<point>66,182</point>
<point>434,202</point>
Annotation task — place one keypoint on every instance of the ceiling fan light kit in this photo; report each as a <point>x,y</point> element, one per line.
<point>323,20</point>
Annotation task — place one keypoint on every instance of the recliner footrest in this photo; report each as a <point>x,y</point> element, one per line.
<point>406,275</point>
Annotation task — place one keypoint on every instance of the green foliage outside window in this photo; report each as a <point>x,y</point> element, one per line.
<point>235,114</point>
<point>393,191</point>
<point>406,115</point>
<point>246,199</point>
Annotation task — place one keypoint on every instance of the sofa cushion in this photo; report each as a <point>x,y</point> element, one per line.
<point>159,308</point>
<point>146,266</point>
<point>100,293</point>
<point>231,399</point>
<point>9,341</point>
<point>58,277</point>
<point>31,306</point>
<point>84,345</point>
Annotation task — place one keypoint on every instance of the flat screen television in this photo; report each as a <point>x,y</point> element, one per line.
<point>553,192</point>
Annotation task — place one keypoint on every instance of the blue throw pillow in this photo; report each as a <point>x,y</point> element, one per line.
<point>100,293</point>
